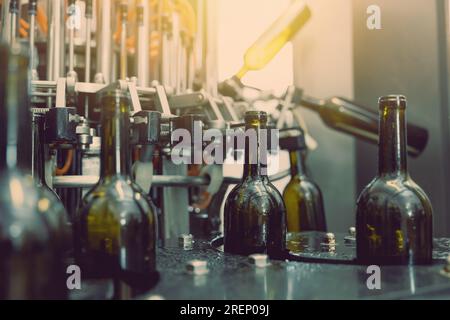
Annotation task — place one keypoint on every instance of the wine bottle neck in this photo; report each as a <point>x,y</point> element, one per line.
<point>255,149</point>
<point>297,160</point>
<point>115,139</point>
<point>38,167</point>
<point>392,141</point>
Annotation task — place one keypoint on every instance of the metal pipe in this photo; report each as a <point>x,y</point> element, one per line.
<point>14,12</point>
<point>190,68</point>
<point>123,40</point>
<point>158,180</point>
<point>55,49</point>
<point>142,65</point>
<point>71,25</point>
<point>5,21</point>
<point>212,9</point>
<point>43,94</point>
<point>176,53</point>
<point>89,181</point>
<point>43,84</point>
<point>104,41</point>
<point>165,58</point>
<point>87,66</point>
<point>32,6</point>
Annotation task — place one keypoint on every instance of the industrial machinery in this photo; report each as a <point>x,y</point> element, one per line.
<point>153,61</point>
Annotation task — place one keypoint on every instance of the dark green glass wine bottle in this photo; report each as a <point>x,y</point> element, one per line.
<point>394,215</point>
<point>254,214</point>
<point>30,264</point>
<point>49,201</point>
<point>302,196</point>
<point>50,205</point>
<point>116,226</point>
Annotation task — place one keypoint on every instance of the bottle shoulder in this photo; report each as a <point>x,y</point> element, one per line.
<point>51,206</point>
<point>20,218</point>
<point>115,186</point>
<point>257,191</point>
<point>117,194</point>
<point>258,184</point>
<point>302,185</point>
<point>395,192</point>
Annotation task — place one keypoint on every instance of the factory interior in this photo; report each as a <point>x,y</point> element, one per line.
<point>224,150</point>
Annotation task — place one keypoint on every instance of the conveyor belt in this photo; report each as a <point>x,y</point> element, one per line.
<point>234,277</point>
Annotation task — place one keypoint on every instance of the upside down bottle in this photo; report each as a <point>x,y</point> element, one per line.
<point>254,214</point>
<point>394,215</point>
<point>115,233</point>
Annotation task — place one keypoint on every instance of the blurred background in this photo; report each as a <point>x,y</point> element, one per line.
<point>336,54</point>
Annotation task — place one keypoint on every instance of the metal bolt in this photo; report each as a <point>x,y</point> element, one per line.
<point>330,235</point>
<point>351,238</point>
<point>352,231</point>
<point>186,241</point>
<point>259,260</point>
<point>197,267</point>
<point>330,238</point>
<point>329,248</point>
<point>329,241</point>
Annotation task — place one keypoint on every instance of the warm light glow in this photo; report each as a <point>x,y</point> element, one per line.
<point>16,191</point>
<point>240,24</point>
<point>43,205</point>
<point>120,190</point>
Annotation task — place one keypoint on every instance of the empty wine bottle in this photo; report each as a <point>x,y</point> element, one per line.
<point>394,215</point>
<point>302,197</point>
<point>115,230</point>
<point>254,214</point>
<point>56,213</point>
<point>30,267</point>
<point>49,202</point>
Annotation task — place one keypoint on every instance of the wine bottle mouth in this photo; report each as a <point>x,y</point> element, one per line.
<point>393,101</point>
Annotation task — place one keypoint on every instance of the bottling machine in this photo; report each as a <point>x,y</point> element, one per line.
<point>160,55</point>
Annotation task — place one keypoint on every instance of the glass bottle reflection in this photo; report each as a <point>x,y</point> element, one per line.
<point>394,215</point>
<point>254,214</point>
<point>28,260</point>
<point>116,227</point>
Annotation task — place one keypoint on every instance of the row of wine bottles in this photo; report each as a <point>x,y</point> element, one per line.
<point>393,216</point>
<point>114,233</point>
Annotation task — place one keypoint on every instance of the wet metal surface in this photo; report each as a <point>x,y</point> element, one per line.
<point>236,277</point>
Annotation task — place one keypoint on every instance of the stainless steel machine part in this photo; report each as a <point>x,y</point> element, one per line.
<point>104,41</point>
<point>142,50</point>
<point>86,181</point>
